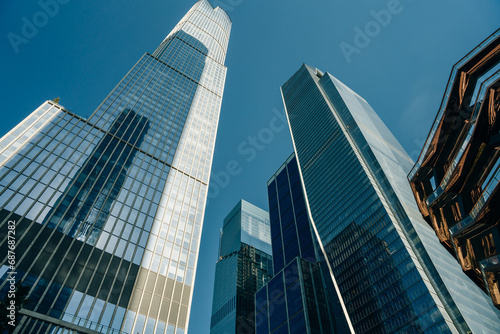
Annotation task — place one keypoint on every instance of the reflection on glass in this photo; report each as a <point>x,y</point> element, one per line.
<point>86,203</point>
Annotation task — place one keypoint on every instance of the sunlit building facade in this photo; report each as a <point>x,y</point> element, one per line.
<point>388,268</point>
<point>456,178</point>
<point>244,266</point>
<point>108,210</point>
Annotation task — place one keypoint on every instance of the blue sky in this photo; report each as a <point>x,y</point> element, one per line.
<point>401,67</point>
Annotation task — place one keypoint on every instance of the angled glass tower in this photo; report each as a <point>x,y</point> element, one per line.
<point>108,210</point>
<point>244,266</point>
<point>387,266</point>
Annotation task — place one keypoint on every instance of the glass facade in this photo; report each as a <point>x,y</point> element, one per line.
<point>244,266</point>
<point>387,266</point>
<point>290,228</point>
<point>108,210</point>
<point>293,302</point>
<point>297,299</point>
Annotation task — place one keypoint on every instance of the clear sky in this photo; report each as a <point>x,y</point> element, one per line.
<point>401,67</point>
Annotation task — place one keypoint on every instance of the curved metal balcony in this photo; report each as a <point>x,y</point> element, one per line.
<point>491,183</point>
<point>451,82</point>
<point>485,85</point>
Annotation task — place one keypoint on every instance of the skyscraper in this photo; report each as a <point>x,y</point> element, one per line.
<point>387,266</point>
<point>244,266</point>
<point>108,210</point>
<point>296,300</point>
<point>456,177</point>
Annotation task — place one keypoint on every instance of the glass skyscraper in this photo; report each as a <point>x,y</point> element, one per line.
<point>244,266</point>
<point>108,210</point>
<point>296,300</point>
<point>387,266</point>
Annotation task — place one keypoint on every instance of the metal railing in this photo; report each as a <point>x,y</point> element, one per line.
<point>491,184</point>
<point>473,122</point>
<point>69,321</point>
<point>92,325</point>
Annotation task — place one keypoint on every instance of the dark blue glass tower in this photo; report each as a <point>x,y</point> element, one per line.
<point>297,299</point>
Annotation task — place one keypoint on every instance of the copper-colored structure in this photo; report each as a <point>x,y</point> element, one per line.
<point>456,178</point>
